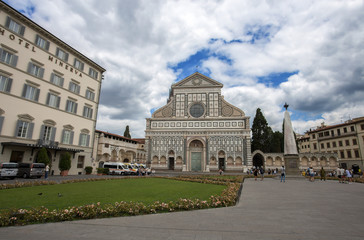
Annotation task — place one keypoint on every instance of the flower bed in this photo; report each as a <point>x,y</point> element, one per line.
<point>43,215</point>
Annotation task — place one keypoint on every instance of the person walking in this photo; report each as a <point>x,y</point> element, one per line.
<point>255,173</point>
<point>322,174</point>
<point>283,174</point>
<point>262,171</point>
<point>46,171</point>
<point>312,174</point>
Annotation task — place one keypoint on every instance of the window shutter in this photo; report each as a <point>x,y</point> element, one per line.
<point>8,87</point>
<point>79,139</point>
<point>88,140</point>
<point>67,103</point>
<point>62,135</point>
<point>91,113</point>
<point>84,111</point>
<point>58,100</point>
<point>24,90</point>
<point>37,95</point>
<point>52,77</point>
<point>89,71</point>
<point>7,24</point>
<point>48,97</point>
<point>54,129</point>
<point>1,53</point>
<point>74,62</point>
<point>36,39</point>
<point>14,60</point>
<point>62,81</point>
<point>18,124</point>
<point>47,45</point>
<point>42,132</point>
<point>30,130</point>
<point>22,30</point>
<point>1,122</point>
<point>82,65</point>
<point>41,72</point>
<point>76,108</point>
<point>71,138</point>
<point>30,65</point>
<point>57,52</point>
<point>78,89</point>
<point>66,57</point>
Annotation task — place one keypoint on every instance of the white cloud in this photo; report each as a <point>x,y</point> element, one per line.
<point>136,41</point>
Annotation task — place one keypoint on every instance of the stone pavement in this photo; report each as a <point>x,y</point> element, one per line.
<point>269,209</point>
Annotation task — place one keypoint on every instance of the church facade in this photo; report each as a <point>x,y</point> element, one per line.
<point>197,130</point>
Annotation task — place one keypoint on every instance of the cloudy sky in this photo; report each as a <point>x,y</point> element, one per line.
<point>309,54</point>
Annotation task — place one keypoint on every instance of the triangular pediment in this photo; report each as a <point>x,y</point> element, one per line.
<point>197,80</point>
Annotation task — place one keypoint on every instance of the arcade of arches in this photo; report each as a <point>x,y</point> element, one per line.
<point>329,161</point>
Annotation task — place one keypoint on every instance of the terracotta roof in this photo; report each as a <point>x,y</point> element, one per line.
<point>116,135</point>
<point>349,122</point>
<point>140,140</point>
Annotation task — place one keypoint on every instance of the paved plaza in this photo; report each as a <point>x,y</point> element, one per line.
<point>269,209</point>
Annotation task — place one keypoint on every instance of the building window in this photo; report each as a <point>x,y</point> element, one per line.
<point>22,129</point>
<point>352,128</point>
<point>47,133</point>
<point>327,133</point>
<point>5,83</point>
<point>62,54</point>
<point>80,161</point>
<point>78,64</point>
<point>30,92</point>
<point>53,100</point>
<point>340,143</point>
<point>348,153</point>
<point>74,87</point>
<point>338,132</point>
<point>71,106</point>
<point>90,95</point>
<point>35,70</point>
<point>342,154</point>
<point>347,143</point>
<point>313,136</point>
<point>93,73</point>
<point>334,144</point>
<point>87,112</point>
<point>356,152</point>
<point>362,127</point>
<point>354,142</point>
<point>57,80</point>
<point>84,140</point>
<point>345,130</point>
<point>67,137</point>
<point>315,146</point>
<point>42,43</point>
<point>328,145</point>
<point>14,26</point>
<point>8,57</point>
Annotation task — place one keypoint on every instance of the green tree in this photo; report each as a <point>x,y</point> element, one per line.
<point>277,142</point>
<point>126,132</point>
<point>261,133</point>
<point>43,156</point>
<point>65,162</point>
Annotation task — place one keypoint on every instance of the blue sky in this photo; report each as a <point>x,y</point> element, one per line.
<point>306,53</point>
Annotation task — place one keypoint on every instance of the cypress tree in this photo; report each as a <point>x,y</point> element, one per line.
<point>261,133</point>
<point>43,156</point>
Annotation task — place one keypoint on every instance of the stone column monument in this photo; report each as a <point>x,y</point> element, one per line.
<point>291,159</point>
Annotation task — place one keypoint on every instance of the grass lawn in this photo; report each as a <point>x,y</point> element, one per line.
<point>146,190</point>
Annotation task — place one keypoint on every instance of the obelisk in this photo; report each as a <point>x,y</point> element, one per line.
<point>290,149</point>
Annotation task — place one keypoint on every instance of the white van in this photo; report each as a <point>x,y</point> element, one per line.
<point>117,168</point>
<point>8,170</point>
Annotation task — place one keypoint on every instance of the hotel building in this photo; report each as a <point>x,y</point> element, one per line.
<point>49,95</point>
<point>346,139</point>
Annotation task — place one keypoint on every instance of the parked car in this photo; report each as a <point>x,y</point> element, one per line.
<point>28,170</point>
<point>8,170</point>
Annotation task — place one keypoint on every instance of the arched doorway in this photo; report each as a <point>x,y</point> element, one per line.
<point>196,152</point>
<point>222,160</point>
<point>258,160</point>
<point>171,160</point>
